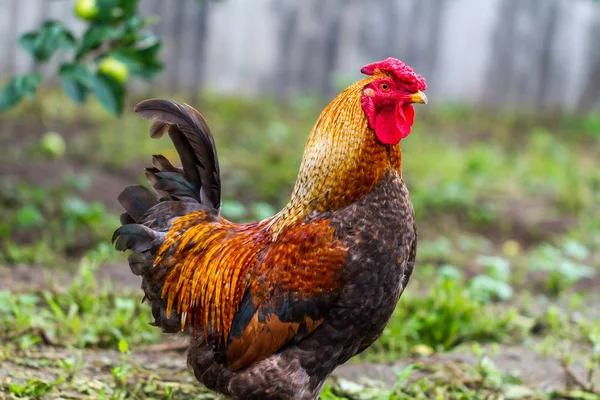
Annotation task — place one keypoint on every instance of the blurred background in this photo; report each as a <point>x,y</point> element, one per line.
<point>502,166</point>
<point>537,54</point>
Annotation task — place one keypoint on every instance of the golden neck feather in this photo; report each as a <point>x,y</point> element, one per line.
<point>342,161</point>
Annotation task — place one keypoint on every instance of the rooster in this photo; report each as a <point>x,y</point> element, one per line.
<point>273,307</point>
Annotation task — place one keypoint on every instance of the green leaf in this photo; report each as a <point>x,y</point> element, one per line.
<point>28,216</point>
<point>403,375</point>
<point>29,84</point>
<point>129,8</point>
<point>148,46</point>
<point>233,209</point>
<point>75,90</point>
<point>107,5</point>
<point>18,87</point>
<point>486,288</point>
<point>123,346</point>
<point>75,207</point>
<point>77,81</point>
<point>575,249</point>
<point>76,326</point>
<point>110,93</point>
<point>95,35</point>
<point>449,272</point>
<point>497,267</point>
<point>51,36</point>
<point>262,210</point>
<point>116,10</point>
<point>28,41</point>
<point>10,94</point>
<point>139,63</point>
<point>134,23</point>
<point>54,306</point>
<point>517,392</point>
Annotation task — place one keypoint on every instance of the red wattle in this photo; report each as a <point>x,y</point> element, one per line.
<point>393,124</point>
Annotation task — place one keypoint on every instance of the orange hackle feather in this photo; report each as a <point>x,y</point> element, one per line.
<point>205,264</point>
<point>343,159</point>
<point>209,266</point>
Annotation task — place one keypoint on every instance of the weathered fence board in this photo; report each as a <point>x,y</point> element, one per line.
<point>534,54</point>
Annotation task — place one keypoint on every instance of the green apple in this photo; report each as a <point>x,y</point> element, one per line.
<point>53,144</point>
<point>87,10</point>
<point>114,68</point>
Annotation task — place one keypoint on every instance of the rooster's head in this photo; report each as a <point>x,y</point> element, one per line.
<point>355,141</point>
<point>387,98</point>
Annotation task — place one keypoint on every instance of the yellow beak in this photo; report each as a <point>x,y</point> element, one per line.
<point>418,97</point>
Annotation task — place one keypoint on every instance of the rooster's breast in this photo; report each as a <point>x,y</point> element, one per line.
<point>379,231</point>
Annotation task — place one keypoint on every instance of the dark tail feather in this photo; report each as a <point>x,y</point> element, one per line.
<point>196,187</point>
<point>162,214</point>
<point>138,238</point>
<point>139,264</point>
<point>126,219</point>
<point>194,144</point>
<point>136,200</point>
<point>161,163</point>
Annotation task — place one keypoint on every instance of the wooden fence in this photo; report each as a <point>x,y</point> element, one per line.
<point>533,54</point>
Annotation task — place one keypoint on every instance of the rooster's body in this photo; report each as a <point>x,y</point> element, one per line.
<point>273,307</point>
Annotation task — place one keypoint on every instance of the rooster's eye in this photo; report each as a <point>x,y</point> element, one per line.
<point>385,86</point>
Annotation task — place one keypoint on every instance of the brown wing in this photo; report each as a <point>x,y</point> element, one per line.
<point>206,264</point>
<point>255,291</point>
<point>291,290</point>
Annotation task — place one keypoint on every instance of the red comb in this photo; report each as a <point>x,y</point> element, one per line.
<point>402,71</point>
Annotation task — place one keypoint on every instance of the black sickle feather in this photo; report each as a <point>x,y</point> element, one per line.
<point>161,163</point>
<point>136,200</point>
<point>159,217</point>
<point>139,264</point>
<point>192,140</point>
<point>138,238</point>
<point>126,219</point>
<point>150,174</point>
<point>175,185</point>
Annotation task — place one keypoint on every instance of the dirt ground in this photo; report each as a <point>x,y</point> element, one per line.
<point>168,359</point>
<point>537,372</point>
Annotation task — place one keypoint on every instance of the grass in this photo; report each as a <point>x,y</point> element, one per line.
<point>448,315</point>
<point>39,225</point>
<point>446,380</point>
<point>508,227</point>
<point>453,380</point>
<point>88,316</point>
<point>83,315</point>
